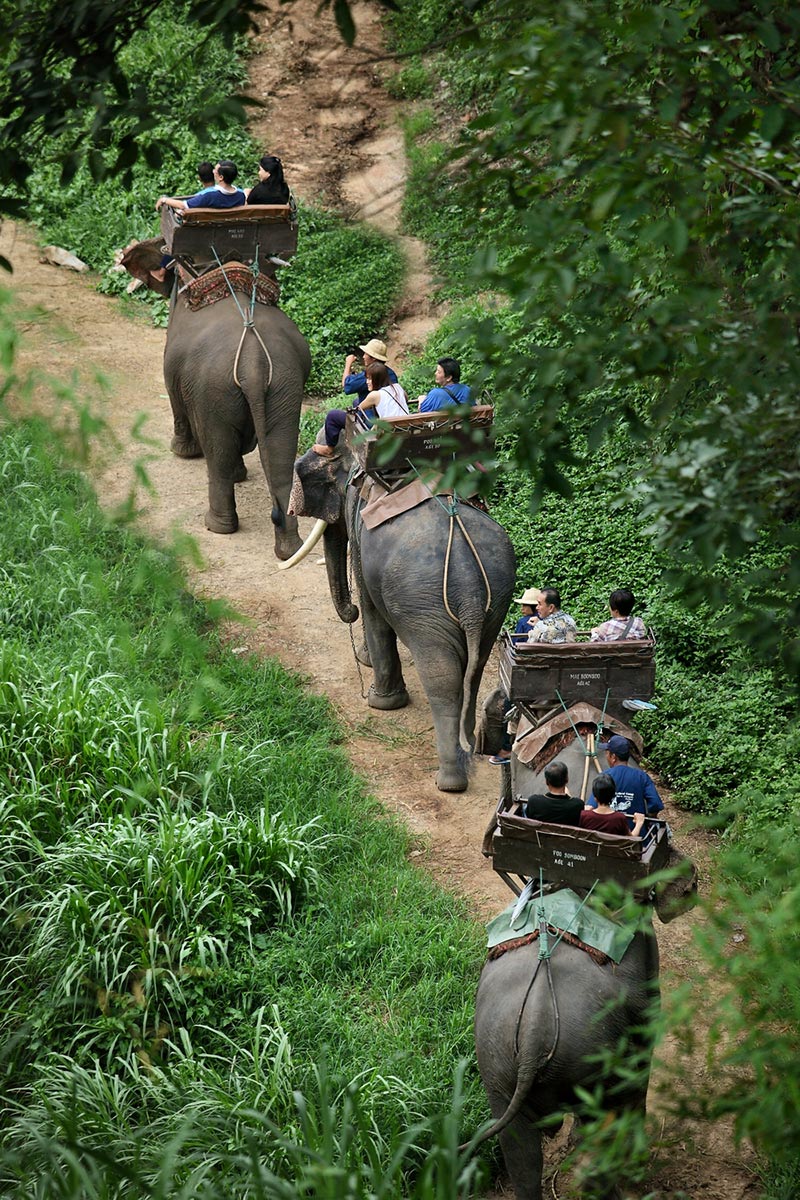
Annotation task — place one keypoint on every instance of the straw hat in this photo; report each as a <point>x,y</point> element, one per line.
<point>375,349</point>
<point>529,596</point>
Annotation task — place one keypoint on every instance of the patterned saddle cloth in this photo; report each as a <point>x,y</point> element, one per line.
<point>217,284</point>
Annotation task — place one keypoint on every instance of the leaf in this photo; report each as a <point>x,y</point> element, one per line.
<point>604,203</point>
<point>771,122</point>
<point>677,235</point>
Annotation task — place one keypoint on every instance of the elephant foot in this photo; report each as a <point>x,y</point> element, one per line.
<point>451,779</point>
<point>363,655</point>
<point>453,776</point>
<point>240,473</point>
<point>286,545</point>
<point>185,448</point>
<point>387,701</point>
<point>221,525</point>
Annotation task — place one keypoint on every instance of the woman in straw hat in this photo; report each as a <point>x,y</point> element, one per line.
<point>356,383</point>
<point>529,599</point>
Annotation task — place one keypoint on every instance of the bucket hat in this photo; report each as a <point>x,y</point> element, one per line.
<point>529,596</point>
<point>375,349</point>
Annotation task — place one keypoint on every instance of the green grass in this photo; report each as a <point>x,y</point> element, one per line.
<point>198,895</point>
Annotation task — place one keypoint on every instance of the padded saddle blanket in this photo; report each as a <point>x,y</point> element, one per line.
<point>216,285</point>
<point>562,912</point>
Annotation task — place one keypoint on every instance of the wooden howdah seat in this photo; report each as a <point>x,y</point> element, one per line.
<point>436,439</point>
<point>542,675</point>
<point>568,856</point>
<point>205,237</point>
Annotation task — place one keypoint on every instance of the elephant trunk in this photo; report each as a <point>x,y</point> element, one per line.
<point>336,565</point>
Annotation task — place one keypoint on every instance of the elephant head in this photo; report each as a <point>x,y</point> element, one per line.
<point>140,259</point>
<point>319,489</point>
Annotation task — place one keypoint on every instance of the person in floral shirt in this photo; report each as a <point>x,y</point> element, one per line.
<point>553,624</point>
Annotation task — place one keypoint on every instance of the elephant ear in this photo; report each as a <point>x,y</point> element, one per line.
<point>678,895</point>
<point>317,487</point>
<point>141,258</point>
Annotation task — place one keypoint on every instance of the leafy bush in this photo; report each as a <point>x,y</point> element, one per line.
<point>412,82</point>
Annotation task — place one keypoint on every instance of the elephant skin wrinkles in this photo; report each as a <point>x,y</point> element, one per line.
<point>399,571</point>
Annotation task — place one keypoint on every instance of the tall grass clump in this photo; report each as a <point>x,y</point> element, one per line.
<point>197,897</point>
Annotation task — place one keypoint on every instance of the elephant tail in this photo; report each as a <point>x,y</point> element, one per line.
<point>525,1081</point>
<point>472,678</point>
<point>531,1063</point>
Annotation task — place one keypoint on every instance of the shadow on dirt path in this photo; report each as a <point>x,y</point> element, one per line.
<point>339,137</point>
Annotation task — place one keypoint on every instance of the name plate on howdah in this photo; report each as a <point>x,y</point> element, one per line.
<point>576,857</point>
<point>541,675</point>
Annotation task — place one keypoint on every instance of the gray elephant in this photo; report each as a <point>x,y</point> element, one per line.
<point>233,385</point>
<point>447,608</point>
<point>538,1026</point>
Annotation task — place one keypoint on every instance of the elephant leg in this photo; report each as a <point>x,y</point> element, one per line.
<point>184,442</point>
<point>247,442</point>
<point>521,1144</point>
<point>442,677</point>
<point>225,468</point>
<point>388,688</point>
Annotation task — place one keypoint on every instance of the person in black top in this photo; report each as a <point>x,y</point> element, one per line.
<point>555,804</point>
<point>271,188</point>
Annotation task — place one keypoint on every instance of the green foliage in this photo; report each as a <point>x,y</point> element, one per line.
<point>96,87</point>
<point>338,289</point>
<point>750,942</point>
<point>197,896</point>
<point>198,73</point>
<point>627,184</point>
<point>411,83</point>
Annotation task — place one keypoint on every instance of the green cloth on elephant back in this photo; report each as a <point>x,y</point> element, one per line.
<point>563,911</point>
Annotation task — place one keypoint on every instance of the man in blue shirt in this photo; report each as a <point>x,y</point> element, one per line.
<point>355,383</point>
<point>222,195</point>
<point>449,391</point>
<point>636,792</point>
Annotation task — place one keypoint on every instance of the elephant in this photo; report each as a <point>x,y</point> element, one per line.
<point>232,385</point>
<point>406,582</point>
<point>536,1031</point>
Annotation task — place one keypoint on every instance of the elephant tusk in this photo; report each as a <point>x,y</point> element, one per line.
<point>306,548</point>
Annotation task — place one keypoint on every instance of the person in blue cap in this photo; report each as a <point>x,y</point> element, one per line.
<point>636,792</point>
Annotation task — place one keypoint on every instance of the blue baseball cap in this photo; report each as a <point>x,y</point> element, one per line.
<point>618,745</point>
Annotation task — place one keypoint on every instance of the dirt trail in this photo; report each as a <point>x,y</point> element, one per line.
<point>337,133</point>
<point>325,113</point>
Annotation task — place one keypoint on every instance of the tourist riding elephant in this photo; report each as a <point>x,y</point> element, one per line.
<point>440,583</point>
<point>232,386</point>
<point>540,1025</point>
